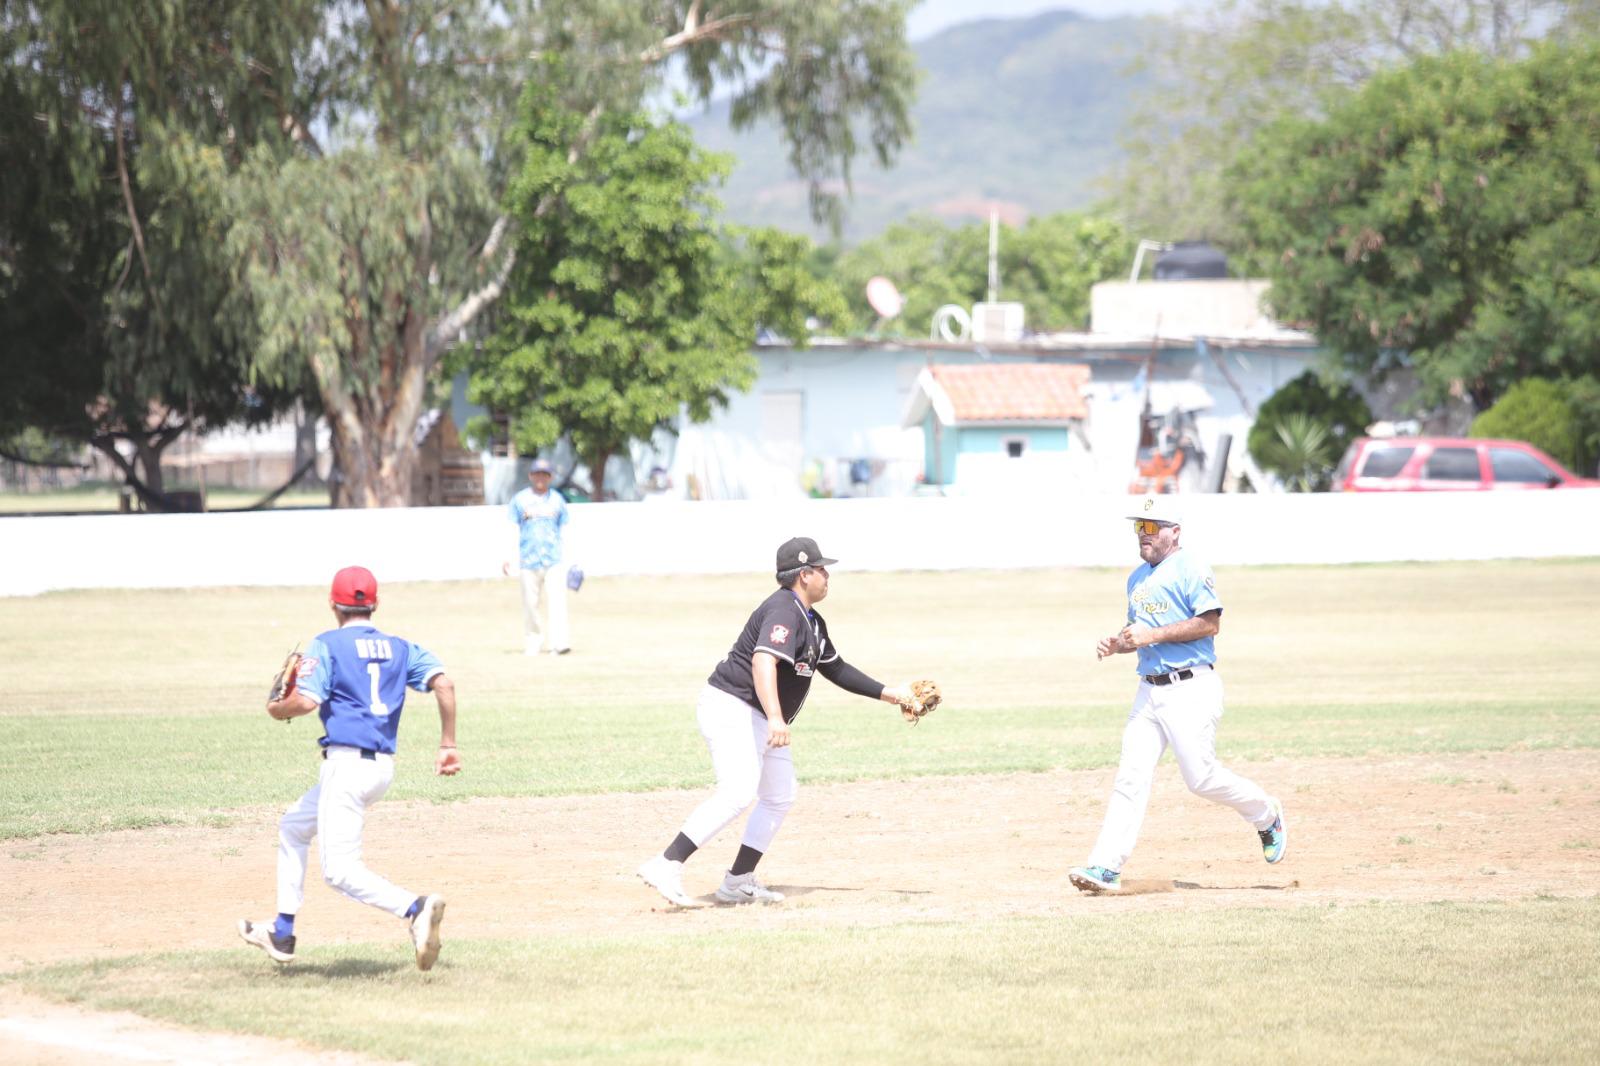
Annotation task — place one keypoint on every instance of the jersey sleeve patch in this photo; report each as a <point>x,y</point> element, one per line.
<point>778,635</point>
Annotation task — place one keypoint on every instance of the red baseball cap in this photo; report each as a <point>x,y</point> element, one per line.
<point>354,586</point>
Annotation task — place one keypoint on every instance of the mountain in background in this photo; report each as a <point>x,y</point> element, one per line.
<point>1024,114</point>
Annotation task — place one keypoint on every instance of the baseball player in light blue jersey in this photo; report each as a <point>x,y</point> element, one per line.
<point>355,677</point>
<point>1173,618</point>
<point>540,513</point>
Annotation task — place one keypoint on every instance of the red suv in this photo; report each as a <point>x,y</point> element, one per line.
<point>1429,464</point>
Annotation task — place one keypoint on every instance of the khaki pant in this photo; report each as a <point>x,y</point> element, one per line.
<point>544,592</point>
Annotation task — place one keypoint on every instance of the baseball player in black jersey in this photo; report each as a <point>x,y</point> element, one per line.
<point>745,712</point>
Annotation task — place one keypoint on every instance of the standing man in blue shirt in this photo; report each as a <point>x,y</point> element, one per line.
<point>356,677</point>
<point>540,513</point>
<point>1174,615</point>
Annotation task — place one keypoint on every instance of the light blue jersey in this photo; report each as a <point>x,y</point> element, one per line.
<point>540,520</point>
<point>359,674</point>
<point>1178,588</point>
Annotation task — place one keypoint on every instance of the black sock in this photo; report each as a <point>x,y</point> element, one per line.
<point>680,848</point>
<point>745,861</point>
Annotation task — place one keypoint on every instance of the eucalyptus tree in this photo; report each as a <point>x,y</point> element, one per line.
<point>375,247</point>
<point>311,191</point>
<point>117,120</point>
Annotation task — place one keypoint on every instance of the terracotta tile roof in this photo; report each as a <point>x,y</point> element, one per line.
<point>1020,392</point>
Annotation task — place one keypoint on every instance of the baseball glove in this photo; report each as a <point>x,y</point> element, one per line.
<point>288,677</point>
<point>925,699</point>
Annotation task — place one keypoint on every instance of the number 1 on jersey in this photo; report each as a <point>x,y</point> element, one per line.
<point>379,708</point>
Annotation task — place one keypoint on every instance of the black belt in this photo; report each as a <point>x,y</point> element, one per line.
<point>366,753</point>
<point>1179,675</point>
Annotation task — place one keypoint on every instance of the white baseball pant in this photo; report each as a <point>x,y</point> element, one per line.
<point>1183,714</point>
<point>335,811</point>
<point>746,770</point>
<point>541,589</point>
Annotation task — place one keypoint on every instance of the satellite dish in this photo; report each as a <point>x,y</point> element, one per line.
<point>884,297</point>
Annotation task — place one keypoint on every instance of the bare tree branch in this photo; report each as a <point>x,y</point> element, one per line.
<point>448,329</point>
<point>127,198</point>
<point>18,457</point>
<point>693,31</point>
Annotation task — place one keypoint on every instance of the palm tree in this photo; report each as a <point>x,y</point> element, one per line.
<point>1304,452</point>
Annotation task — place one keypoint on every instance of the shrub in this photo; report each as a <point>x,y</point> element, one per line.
<point>1303,429</point>
<point>1557,416</point>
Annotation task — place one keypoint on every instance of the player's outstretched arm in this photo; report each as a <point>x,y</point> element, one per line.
<point>448,760</point>
<point>850,679</point>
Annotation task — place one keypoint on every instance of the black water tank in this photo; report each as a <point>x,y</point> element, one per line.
<point>1187,260</point>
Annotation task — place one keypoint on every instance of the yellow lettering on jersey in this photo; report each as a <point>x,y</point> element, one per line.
<point>1144,600</point>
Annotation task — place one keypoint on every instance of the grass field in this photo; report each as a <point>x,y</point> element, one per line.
<point>98,497</point>
<point>1308,985</point>
<point>143,709</point>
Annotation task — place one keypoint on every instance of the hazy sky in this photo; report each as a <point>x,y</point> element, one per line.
<point>931,16</point>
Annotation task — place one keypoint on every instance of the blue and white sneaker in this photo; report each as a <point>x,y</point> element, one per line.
<point>280,949</point>
<point>1275,837</point>
<point>1095,879</point>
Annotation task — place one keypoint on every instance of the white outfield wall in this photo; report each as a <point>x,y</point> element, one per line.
<point>305,547</point>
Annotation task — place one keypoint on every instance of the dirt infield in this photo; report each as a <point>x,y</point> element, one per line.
<point>1490,826</point>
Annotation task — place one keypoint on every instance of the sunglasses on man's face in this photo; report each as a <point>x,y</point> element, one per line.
<point>1144,527</point>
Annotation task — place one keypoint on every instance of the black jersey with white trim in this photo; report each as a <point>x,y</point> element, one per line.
<point>797,637</point>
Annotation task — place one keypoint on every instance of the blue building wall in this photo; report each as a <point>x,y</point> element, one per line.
<point>985,439</point>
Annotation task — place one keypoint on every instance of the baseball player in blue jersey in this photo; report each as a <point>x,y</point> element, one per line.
<point>540,513</point>
<point>355,677</point>
<point>1174,615</point>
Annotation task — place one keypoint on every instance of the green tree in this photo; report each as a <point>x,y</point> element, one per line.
<point>627,305</point>
<point>330,174</point>
<point>111,277</point>
<point>1446,211</point>
<point>1302,429</point>
<point>1552,415</point>
<point>1222,72</point>
<point>1048,264</point>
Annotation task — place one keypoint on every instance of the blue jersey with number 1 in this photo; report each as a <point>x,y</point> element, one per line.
<point>360,674</point>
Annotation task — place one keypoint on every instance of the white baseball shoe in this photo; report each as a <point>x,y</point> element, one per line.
<point>666,877</point>
<point>744,888</point>
<point>280,949</point>
<point>425,931</point>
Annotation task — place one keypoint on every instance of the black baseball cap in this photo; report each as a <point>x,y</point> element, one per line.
<point>801,551</point>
